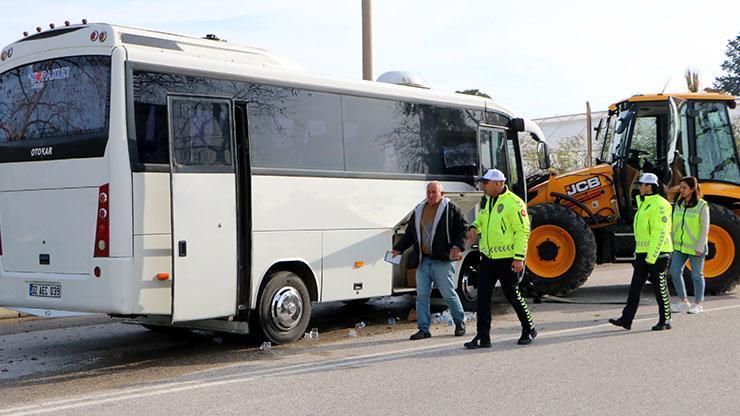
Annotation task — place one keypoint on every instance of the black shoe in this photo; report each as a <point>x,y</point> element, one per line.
<point>460,329</point>
<point>420,335</point>
<point>620,322</point>
<point>527,336</point>
<point>661,326</point>
<point>477,343</point>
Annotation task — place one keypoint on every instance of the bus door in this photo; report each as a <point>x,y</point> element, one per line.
<point>497,151</point>
<point>204,206</point>
<point>244,206</point>
<point>493,149</point>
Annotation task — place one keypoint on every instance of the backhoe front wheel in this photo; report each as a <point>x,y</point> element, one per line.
<point>561,253</point>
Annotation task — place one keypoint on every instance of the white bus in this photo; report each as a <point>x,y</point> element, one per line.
<point>179,181</point>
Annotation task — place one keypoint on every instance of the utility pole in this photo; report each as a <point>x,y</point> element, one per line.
<point>367,40</point>
<point>589,136</point>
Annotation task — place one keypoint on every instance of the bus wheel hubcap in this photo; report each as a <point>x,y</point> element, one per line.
<point>287,308</point>
<point>469,287</point>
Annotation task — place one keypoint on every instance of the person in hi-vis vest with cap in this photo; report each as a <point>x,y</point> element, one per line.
<point>653,247</point>
<point>503,227</point>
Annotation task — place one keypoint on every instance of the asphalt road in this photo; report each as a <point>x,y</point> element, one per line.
<point>578,365</point>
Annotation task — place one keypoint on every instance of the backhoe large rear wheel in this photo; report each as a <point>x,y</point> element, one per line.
<point>561,252</point>
<point>722,264</point>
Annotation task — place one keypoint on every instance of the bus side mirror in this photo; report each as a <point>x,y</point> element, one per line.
<point>517,124</point>
<point>543,156</point>
<point>731,104</point>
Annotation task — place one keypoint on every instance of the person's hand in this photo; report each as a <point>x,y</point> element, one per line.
<point>472,235</point>
<point>698,253</point>
<point>395,253</point>
<point>517,266</point>
<point>455,254</point>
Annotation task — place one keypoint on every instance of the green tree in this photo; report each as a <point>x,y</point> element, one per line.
<point>475,91</point>
<point>730,82</point>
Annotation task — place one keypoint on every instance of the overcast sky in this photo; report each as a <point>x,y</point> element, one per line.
<point>539,58</point>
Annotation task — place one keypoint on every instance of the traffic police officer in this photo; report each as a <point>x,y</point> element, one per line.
<point>503,226</point>
<point>653,247</point>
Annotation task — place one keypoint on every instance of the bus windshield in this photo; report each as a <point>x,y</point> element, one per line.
<point>55,109</point>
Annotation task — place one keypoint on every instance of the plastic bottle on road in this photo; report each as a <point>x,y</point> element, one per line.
<point>446,317</point>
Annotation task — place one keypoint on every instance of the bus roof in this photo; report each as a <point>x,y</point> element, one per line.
<point>704,96</point>
<point>211,56</point>
<point>118,34</point>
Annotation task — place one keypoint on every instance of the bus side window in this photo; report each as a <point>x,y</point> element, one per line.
<point>201,133</point>
<point>151,133</point>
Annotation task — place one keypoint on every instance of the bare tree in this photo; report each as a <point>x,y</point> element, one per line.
<point>692,80</point>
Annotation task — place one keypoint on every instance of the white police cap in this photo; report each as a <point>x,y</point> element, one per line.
<point>650,178</point>
<point>493,175</point>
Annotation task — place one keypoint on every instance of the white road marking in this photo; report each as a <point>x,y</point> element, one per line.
<point>174,387</point>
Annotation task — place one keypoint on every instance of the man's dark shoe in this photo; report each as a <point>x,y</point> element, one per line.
<point>477,343</point>
<point>620,322</point>
<point>420,335</point>
<point>527,336</point>
<point>661,326</point>
<point>460,329</point>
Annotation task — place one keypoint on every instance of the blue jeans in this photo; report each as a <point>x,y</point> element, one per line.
<point>443,274</point>
<point>678,260</point>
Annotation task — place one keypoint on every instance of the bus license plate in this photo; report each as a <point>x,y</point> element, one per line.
<point>44,290</point>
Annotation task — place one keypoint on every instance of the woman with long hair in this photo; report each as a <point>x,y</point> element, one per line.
<point>690,231</point>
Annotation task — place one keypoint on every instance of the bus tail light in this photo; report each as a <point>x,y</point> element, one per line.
<point>163,276</point>
<point>102,227</point>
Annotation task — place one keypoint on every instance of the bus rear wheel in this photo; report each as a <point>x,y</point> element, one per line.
<point>722,264</point>
<point>284,308</point>
<point>561,253</point>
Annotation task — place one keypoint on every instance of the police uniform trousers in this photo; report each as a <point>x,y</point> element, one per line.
<point>489,271</point>
<point>656,273</point>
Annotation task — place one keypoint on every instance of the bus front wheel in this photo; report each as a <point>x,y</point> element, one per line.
<point>284,308</point>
